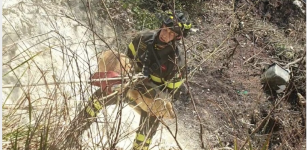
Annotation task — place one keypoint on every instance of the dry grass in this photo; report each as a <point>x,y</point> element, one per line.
<point>36,59</point>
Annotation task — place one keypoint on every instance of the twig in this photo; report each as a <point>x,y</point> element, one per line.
<point>293,62</point>
<point>174,136</point>
<point>264,120</point>
<point>193,101</point>
<point>69,82</point>
<point>249,59</point>
<point>121,96</point>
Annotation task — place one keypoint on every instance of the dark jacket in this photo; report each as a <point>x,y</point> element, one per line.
<point>163,64</point>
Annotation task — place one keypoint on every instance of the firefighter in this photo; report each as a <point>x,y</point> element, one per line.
<point>156,56</point>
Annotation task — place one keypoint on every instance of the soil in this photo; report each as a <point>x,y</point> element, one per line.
<point>227,92</point>
<point>223,104</point>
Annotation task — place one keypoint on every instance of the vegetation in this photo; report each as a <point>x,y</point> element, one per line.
<point>48,59</point>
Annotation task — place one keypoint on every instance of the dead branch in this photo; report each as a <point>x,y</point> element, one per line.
<point>294,62</point>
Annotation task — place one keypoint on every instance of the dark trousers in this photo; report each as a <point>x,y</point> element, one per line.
<point>147,129</point>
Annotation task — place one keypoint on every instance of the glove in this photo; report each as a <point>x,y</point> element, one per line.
<point>141,75</point>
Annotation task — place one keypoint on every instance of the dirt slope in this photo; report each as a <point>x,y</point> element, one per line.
<point>230,51</point>
<point>229,47</point>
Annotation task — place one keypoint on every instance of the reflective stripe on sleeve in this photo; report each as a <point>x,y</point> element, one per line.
<point>171,85</point>
<point>174,85</point>
<point>156,79</point>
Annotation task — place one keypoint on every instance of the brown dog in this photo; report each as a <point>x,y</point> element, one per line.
<point>157,104</point>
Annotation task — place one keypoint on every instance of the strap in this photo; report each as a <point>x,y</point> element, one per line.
<point>150,48</point>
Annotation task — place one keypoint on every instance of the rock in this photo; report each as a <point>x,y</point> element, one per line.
<point>276,77</point>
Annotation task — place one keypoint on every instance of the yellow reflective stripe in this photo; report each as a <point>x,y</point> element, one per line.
<point>141,137</point>
<point>156,79</point>
<point>97,105</point>
<point>139,146</point>
<point>180,25</point>
<point>131,47</point>
<point>90,111</point>
<point>174,85</point>
<point>187,26</point>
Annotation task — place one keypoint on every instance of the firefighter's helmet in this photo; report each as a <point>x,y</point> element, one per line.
<point>178,23</point>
